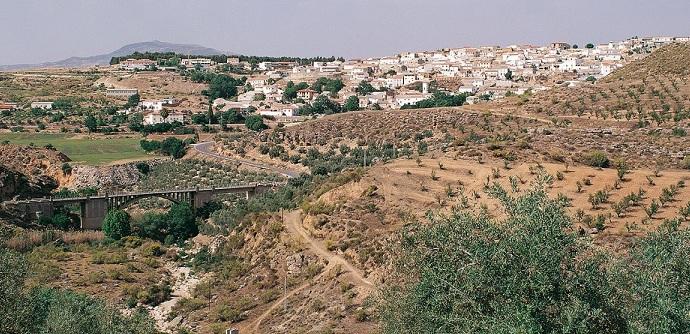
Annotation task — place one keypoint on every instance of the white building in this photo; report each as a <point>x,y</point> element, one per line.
<point>136,64</point>
<point>154,117</point>
<point>203,62</point>
<point>126,92</point>
<point>151,105</point>
<point>410,98</point>
<point>42,105</point>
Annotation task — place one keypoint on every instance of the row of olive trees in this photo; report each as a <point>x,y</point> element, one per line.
<point>529,273</point>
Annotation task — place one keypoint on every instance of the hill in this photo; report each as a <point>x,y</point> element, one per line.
<point>104,59</point>
<point>669,60</point>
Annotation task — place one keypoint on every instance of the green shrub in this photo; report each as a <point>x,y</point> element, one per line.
<point>116,224</point>
<point>685,164</point>
<point>532,273</point>
<point>597,159</point>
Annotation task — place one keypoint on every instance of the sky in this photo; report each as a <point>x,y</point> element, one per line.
<point>48,30</point>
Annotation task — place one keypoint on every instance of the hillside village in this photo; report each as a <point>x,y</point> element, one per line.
<point>478,74</point>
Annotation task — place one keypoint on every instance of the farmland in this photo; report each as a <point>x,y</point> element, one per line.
<point>84,149</point>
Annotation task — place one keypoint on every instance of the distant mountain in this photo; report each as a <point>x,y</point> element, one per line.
<point>153,46</point>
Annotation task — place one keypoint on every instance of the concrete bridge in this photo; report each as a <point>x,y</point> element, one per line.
<point>94,208</point>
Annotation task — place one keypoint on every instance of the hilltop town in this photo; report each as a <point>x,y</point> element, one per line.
<point>282,89</point>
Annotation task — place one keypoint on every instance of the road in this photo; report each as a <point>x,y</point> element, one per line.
<point>206,148</point>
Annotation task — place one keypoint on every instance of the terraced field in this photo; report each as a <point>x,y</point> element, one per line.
<point>185,174</point>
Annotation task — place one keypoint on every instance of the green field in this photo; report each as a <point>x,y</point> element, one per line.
<point>83,150</point>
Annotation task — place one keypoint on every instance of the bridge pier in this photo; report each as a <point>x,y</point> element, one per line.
<point>93,213</point>
<point>201,197</point>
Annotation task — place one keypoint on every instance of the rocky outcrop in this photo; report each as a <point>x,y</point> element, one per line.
<point>29,171</point>
<point>106,177</point>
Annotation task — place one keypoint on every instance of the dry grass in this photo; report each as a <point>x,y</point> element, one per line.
<point>27,240</point>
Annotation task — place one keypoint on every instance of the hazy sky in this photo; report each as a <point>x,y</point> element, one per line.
<point>46,30</point>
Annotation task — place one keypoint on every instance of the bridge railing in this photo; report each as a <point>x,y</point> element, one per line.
<point>162,191</point>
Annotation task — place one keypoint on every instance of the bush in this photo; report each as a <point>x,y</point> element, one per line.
<point>177,225</point>
<point>66,168</point>
<point>173,147</point>
<point>685,164</point>
<point>597,159</point>
<point>143,167</point>
<point>255,123</point>
<point>181,222</point>
<point>468,273</point>
<point>45,310</point>
<point>116,224</point>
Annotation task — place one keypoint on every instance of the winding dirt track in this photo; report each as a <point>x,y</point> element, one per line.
<point>293,224</point>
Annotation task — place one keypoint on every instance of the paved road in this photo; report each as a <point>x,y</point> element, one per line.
<point>206,148</point>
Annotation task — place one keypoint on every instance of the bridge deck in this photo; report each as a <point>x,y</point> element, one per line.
<point>69,200</point>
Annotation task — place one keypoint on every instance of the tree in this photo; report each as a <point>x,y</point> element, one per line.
<point>90,123</point>
<point>150,145</point>
<point>116,224</point>
<point>199,118</point>
<point>66,168</point>
<point>589,46</point>
<point>255,123</point>
<point>47,310</point>
<point>181,222</point>
<point>221,85</point>
<point>509,75</point>
<point>210,116</point>
<point>136,122</point>
<point>351,104</point>
<point>515,276</point>
<point>133,101</point>
<point>165,114</point>
<point>364,88</point>
<point>327,84</point>
<point>173,147</point>
<point>290,92</point>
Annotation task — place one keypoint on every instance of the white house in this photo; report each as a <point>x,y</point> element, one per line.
<point>42,105</point>
<point>203,62</point>
<point>258,82</point>
<point>154,117</point>
<point>307,94</point>
<point>467,90</point>
<point>136,64</point>
<point>410,98</point>
<point>151,105</point>
<point>121,92</point>
<point>409,78</point>
<point>282,111</point>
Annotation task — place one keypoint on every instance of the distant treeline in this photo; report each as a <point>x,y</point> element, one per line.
<point>165,55</point>
<point>158,56</point>
<point>301,61</point>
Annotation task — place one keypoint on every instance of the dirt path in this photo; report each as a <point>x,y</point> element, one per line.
<point>293,222</point>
